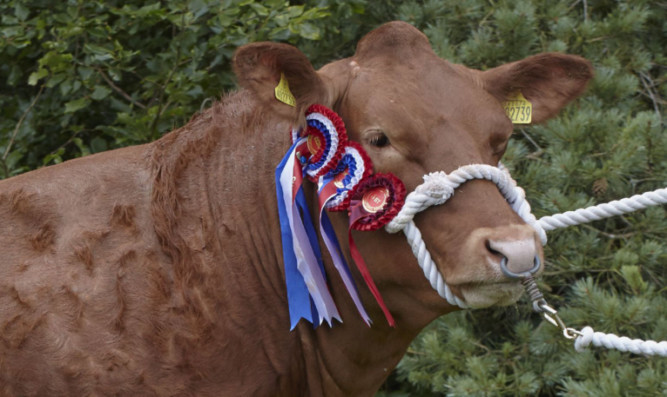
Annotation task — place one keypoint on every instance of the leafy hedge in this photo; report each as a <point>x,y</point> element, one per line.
<point>85,76</point>
<point>79,77</point>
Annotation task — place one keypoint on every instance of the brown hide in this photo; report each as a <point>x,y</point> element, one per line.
<point>157,269</point>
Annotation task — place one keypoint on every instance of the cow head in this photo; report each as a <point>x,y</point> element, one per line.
<point>415,113</point>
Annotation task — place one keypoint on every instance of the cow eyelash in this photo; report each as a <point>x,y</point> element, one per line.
<point>379,140</point>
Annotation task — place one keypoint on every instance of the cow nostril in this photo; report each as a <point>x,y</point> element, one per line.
<point>518,257</point>
<point>494,252</point>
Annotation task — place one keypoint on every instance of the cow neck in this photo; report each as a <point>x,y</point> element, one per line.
<point>214,180</point>
<point>352,354</point>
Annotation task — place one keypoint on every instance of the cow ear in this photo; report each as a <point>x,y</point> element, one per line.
<point>549,81</point>
<point>259,67</point>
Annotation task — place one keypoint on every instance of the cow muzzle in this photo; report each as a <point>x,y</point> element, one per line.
<point>518,258</point>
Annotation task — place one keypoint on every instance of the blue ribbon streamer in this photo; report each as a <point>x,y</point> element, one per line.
<point>298,298</point>
<point>333,245</point>
<point>327,228</point>
<point>310,228</point>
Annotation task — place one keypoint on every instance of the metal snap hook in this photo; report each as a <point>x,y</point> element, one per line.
<point>507,272</point>
<point>551,315</point>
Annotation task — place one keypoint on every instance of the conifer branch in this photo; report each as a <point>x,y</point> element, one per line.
<point>537,153</point>
<point>646,79</point>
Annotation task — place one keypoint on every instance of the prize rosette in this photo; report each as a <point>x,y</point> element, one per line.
<point>375,202</point>
<point>326,140</point>
<point>334,187</point>
<point>353,167</point>
<point>342,171</point>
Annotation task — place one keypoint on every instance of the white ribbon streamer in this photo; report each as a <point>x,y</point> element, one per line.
<point>307,263</point>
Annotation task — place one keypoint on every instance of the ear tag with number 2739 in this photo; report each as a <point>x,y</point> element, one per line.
<point>518,109</point>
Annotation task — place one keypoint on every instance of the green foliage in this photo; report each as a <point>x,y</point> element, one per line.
<point>81,77</point>
<point>86,76</point>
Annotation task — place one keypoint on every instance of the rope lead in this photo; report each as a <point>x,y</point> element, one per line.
<point>585,337</point>
<point>438,187</point>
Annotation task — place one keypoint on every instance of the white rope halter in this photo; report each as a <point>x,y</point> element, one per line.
<point>438,187</point>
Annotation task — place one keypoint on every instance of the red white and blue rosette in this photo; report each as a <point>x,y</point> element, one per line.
<point>353,167</point>
<point>343,173</point>
<point>326,139</point>
<point>334,187</point>
<point>313,153</point>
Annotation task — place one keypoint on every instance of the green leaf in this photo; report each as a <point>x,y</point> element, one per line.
<point>309,31</point>
<point>36,76</point>
<point>55,80</point>
<point>75,105</point>
<point>55,157</point>
<point>98,145</point>
<point>14,76</point>
<point>81,146</point>
<point>151,9</point>
<point>259,9</point>
<point>99,53</point>
<point>100,92</point>
<point>13,159</point>
<point>198,7</point>
<point>21,11</point>
<point>56,61</point>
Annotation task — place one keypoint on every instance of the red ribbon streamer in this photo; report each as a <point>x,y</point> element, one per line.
<point>357,212</point>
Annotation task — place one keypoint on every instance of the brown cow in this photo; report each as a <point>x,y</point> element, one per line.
<point>157,269</point>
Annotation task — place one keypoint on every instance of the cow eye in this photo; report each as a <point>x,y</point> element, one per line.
<point>379,140</point>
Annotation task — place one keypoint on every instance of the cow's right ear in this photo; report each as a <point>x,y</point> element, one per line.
<point>549,81</point>
<point>259,67</point>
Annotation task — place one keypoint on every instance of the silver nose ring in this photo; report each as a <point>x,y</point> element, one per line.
<point>507,272</point>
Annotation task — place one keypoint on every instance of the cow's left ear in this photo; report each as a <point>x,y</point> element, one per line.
<point>549,81</point>
<point>259,67</point>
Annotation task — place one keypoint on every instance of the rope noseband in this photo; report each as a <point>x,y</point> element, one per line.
<point>438,187</point>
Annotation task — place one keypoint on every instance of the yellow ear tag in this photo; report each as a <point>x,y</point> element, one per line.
<point>518,109</point>
<point>283,94</point>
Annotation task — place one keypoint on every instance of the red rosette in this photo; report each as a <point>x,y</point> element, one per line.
<point>375,202</point>
<point>354,167</point>
<point>327,139</point>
